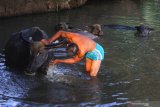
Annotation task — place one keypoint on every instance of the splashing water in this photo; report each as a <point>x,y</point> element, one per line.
<point>52,70</point>
<point>56,74</point>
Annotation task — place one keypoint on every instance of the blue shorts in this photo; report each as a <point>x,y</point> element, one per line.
<point>96,54</point>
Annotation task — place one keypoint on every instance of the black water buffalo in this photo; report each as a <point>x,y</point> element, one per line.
<point>25,51</point>
<point>141,30</point>
<point>18,47</point>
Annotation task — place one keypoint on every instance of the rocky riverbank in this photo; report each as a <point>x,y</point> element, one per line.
<point>21,7</point>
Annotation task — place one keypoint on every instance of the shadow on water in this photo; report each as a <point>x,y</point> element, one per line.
<point>129,74</point>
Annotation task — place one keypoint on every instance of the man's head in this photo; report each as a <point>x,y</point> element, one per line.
<point>72,49</point>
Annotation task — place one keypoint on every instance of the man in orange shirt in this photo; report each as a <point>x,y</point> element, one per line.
<point>88,48</point>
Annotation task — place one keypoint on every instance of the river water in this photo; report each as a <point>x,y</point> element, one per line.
<point>129,74</point>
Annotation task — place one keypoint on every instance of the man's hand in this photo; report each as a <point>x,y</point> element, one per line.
<point>44,41</point>
<point>54,62</point>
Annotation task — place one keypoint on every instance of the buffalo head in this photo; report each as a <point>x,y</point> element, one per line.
<point>38,56</point>
<point>18,48</point>
<point>143,30</point>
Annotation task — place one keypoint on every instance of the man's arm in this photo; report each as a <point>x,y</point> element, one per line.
<point>56,36</point>
<point>53,38</point>
<point>67,61</point>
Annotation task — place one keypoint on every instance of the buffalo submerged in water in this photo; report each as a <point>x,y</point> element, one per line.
<point>18,52</point>
<point>23,50</point>
<point>141,30</point>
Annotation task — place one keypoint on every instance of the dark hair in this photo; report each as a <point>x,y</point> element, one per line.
<point>72,47</point>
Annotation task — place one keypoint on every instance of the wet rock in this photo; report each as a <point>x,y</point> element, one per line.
<point>21,7</point>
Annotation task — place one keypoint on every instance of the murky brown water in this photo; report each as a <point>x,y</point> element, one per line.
<point>129,75</point>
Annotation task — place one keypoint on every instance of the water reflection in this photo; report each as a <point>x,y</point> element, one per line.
<point>59,93</point>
